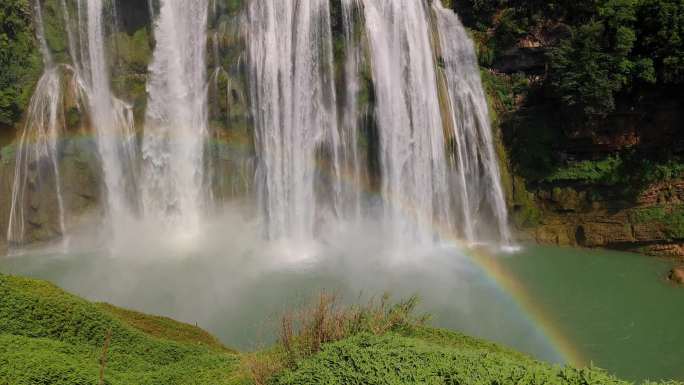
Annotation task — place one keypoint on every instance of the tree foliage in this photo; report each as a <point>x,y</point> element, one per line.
<point>613,48</point>
<point>661,36</point>
<point>19,59</point>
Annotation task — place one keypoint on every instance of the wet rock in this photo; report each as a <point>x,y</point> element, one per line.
<point>676,275</point>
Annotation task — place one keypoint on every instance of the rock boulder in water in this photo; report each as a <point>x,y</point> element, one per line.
<point>676,275</point>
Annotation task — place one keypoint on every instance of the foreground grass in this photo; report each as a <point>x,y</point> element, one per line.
<point>50,337</point>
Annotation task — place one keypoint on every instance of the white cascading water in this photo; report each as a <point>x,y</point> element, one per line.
<point>37,154</point>
<point>37,159</point>
<point>173,178</point>
<point>351,10</point>
<point>294,108</point>
<point>478,181</point>
<point>438,168</point>
<point>415,187</point>
<point>111,118</point>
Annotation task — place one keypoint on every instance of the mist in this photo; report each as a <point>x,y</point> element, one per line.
<point>227,279</point>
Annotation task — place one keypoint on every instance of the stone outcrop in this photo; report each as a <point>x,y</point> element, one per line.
<point>572,216</point>
<point>80,191</point>
<point>676,275</point>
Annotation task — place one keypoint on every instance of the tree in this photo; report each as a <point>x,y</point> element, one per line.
<point>660,35</point>
<point>20,61</point>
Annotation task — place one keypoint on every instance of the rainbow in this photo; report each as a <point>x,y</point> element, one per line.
<point>537,315</point>
<point>488,263</point>
<point>505,281</point>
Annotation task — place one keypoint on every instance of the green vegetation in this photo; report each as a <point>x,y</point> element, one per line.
<point>671,218</point>
<point>8,154</point>
<point>55,29</point>
<point>133,52</point>
<point>630,171</point>
<point>598,51</point>
<point>598,60</point>
<point>403,359</point>
<point>19,59</point>
<point>602,75</point>
<point>588,171</point>
<point>382,344</point>
<point>51,337</point>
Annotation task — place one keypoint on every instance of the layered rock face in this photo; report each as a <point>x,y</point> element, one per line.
<point>577,217</point>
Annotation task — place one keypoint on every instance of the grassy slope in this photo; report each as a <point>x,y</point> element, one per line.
<point>50,337</point>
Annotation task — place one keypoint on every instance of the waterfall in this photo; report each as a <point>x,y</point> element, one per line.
<point>413,158</point>
<point>40,35</point>
<point>37,156</point>
<point>176,119</point>
<point>111,118</point>
<point>37,149</point>
<point>294,108</point>
<point>478,181</point>
<point>436,166</point>
<point>350,117</point>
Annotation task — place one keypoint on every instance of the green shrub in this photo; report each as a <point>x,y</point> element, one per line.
<point>403,359</point>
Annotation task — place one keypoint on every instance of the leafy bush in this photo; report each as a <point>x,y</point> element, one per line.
<point>305,331</point>
<point>396,358</point>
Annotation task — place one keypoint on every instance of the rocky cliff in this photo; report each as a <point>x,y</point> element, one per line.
<point>616,182</point>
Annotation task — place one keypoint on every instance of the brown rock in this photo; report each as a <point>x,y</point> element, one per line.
<point>671,250</point>
<point>676,275</point>
<point>605,233</point>
<point>555,235</point>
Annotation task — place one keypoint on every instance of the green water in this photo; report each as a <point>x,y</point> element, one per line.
<point>616,308</point>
